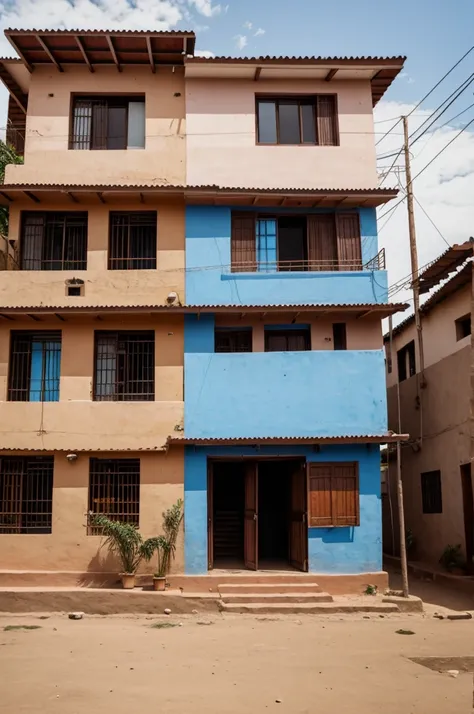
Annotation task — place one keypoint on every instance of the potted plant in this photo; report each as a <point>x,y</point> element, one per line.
<point>166,544</point>
<point>159,577</point>
<point>452,560</point>
<point>125,541</point>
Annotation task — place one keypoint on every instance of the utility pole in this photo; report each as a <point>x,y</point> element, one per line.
<point>414,257</point>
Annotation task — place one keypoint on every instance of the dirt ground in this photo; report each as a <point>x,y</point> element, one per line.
<point>232,664</point>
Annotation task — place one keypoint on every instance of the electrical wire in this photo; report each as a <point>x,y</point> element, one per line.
<point>446,123</point>
<point>443,149</point>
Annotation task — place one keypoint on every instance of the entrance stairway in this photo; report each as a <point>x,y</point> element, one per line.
<point>289,598</point>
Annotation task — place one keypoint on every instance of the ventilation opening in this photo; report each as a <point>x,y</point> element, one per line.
<point>74,290</point>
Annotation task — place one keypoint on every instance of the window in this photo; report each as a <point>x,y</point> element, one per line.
<point>406,361</point>
<point>26,494</point>
<point>233,339</point>
<point>297,120</point>
<point>431,492</point>
<point>124,366</point>
<point>108,123</point>
<point>315,242</point>
<point>54,241</point>
<point>333,495</point>
<point>132,240</point>
<point>287,340</point>
<point>35,366</point>
<point>463,327</point>
<point>114,490</point>
<point>339,338</point>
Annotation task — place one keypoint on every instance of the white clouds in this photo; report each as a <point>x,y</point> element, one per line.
<point>241,41</point>
<point>205,7</point>
<point>259,32</point>
<point>248,25</point>
<point>444,190</point>
<point>204,53</point>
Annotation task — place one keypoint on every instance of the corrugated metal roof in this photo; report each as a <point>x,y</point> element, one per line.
<point>95,31</point>
<point>73,449</point>
<point>184,187</point>
<point>461,278</point>
<point>298,58</point>
<point>356,438</point>
<point>444,264</point>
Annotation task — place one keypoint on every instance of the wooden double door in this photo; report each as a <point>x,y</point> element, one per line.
<point>295,519</point>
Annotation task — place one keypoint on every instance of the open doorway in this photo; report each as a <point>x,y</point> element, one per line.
<point>257,514</point>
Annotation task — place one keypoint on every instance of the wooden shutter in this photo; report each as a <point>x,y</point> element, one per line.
<point>333,495</point>
<point>349,250</point>
<point>322,245</point>
<point>243,244</point>
<point>326,120</point>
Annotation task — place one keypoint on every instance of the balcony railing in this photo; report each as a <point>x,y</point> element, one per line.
<point>281,266</point>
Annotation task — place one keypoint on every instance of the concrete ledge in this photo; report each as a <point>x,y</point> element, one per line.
<point>405,604</point>
<point>464,583</point>
<point>332,584</point>
<point>103,601</point>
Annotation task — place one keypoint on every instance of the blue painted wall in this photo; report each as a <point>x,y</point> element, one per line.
<point>331,550</point>
<point>320,393</point>
<point>208,230</point>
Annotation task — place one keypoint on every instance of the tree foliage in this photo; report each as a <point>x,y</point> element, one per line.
<point>8,155</point>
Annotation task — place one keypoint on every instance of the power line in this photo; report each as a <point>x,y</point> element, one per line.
<point>438,128</point>
<point>444,148</point>
<point>431,221</point>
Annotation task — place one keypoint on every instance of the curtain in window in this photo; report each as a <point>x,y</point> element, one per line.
<point>348,241</point>
<point>322,246</point>
<point>52,371</point>
<point>243,244</point>
<point>326,120</point>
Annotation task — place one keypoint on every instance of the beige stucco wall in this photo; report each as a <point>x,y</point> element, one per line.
<point>47,157</point>
<point>439,332</point>
<point>221,137</point>
<point>77,422</point>
<point>363,334</point>
<point>445,446</point>
<point>103,286</point>
<point>68,547</point>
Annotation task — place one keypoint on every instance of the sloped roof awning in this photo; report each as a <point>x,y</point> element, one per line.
<point>205,195</point>
<point>388,438</point>
<point>380,71</point>
<point>446,264</point>
<point>98,48</point>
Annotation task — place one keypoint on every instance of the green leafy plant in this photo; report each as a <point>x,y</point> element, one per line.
<point>171,523</point>
<point>451,557</point>
<point>410,540</point>
<point>371,590</point>
<point>124,540</point>
<point>162,548</point>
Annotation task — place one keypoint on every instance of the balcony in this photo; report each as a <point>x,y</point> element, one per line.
<point>285,394</point>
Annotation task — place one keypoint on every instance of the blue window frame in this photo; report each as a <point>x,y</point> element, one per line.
<point>267,245</point>
<point>35,366</point>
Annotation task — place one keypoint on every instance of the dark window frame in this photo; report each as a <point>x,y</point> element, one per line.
<point>106,490</point>
<point>89,140</point>
<point>431,492</point>
<point>304,332</point>
<point>75,228</point>
<point>26,495</point>
<point>239,337</point>
<point>132,220</point>
<point>300,100</point>
<point>461,325</point>
<point>119,390</point>
<point>407,352</point>
<point>20,365</point>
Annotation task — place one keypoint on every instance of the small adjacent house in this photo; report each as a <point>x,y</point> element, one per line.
<point>197,307</point>
<point>436,402</point>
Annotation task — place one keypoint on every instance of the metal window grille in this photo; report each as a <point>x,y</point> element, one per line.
<point>26,494</point>
<point>54,241</point>
<point>106,123</point>
<point>431,492</point>
<point>35,365</point>
<point>114,490</point>
<point>132,240</point>
<point>233,340</point>
<point>125,366</point>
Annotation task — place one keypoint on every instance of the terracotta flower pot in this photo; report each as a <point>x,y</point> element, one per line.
<point>159,583</point>
<point>128,581</point>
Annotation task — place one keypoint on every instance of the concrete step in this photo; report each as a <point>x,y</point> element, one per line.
<point>265,588</point>
<point>274,597</point>
<point>323,608</point>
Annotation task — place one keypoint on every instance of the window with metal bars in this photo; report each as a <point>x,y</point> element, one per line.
<point>233,339</point>
<point>132,240</point>
<point>287,340</point>
<point>53,241</point>
<point>431,492</point>
<point>124,366</point>
<point>26,494</point>
<point>35,366</point>
<point>112,122</point>
<point>114,490</point>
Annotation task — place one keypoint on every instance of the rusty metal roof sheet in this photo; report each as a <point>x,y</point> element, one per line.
<point>444,265</point>
<point>316,59</point>
<point>459,280</point>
